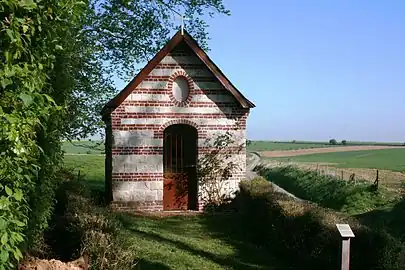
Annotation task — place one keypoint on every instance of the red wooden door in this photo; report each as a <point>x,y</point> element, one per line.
<point>180,159</point>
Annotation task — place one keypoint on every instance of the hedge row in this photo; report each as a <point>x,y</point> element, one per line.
<point>328,191</point>
<point>308,233</point>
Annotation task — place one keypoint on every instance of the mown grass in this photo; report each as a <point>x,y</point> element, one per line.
<point>194,242</point>
<point>180,242</point>
<point>387,159</point>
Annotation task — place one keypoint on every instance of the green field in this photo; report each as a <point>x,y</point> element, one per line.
<point>83,147</point>
<point>388,159</point>
<point>91,168</point>
<point>257,146</point>
<point>273,146</point>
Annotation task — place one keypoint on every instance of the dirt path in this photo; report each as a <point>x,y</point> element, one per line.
<point>300,152</point>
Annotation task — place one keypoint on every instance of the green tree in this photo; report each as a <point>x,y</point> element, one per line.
<point>344,142</point>
<point>332,142</point>
<point>58,58</point>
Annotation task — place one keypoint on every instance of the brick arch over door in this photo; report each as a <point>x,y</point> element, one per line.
<point>159,133</point>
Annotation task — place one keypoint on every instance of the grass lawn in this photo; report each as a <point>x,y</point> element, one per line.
<point>194,242</point>
<point>387,159</point>
<point>182,242</point>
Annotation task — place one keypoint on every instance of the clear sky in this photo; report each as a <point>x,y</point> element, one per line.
<point>316,69</point>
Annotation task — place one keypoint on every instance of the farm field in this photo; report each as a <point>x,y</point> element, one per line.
<point>91,168</point>
<point>272,146</point>
<point>256,146</point>
<point>386,159</point>
<point>83,147</point>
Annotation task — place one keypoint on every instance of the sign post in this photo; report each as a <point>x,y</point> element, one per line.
<point>346,233</point>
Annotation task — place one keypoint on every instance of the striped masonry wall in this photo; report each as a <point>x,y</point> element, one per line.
<point>139,122</point>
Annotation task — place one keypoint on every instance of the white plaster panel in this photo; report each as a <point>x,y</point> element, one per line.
<point>145,191</point>
<point>180,60</point>
<point>174,109</point>
<point>137,164</point>
<point>153,84</point>
<point>239,159</point>
<point>238,137</point>
<point>147,97</point>
<point>122,138</point>
<point>200,72</point>
<point>161,121</point>
<point>194,98</point>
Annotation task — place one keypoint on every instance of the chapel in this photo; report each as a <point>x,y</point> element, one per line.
<point>160,125</point>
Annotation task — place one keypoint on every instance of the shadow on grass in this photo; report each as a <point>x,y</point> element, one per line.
<point>221,227</point>
<point>146,265</point>
<point>391,218</point>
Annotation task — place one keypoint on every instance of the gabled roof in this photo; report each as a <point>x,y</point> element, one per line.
<point>176,40</point>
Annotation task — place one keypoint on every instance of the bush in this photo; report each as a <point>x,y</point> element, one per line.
<point>81,227</point>
<point>308,234</point>
<point>344,142</point>
<point>332,142</point>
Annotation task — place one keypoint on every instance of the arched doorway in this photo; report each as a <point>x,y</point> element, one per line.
<point>180,170</point>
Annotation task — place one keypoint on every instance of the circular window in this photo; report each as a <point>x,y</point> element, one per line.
<point>180,89</point>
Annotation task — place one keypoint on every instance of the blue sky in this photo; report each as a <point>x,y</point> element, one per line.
<point>316,69</point>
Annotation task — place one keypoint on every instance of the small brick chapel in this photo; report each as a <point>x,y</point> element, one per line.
<point>157,126</point>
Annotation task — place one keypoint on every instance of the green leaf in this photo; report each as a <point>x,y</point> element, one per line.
<point>10,34</point>
<point>4,238</point>
<point>40,66</point>
<point>3,224</point>
<point>58,48</point>
<point>25,28</point>
<point>17,254</point>
<point>27,99</point>
<point>49,98</point>
<point>9,192</point>
<point>19,223</point>
<point>4,255</point>
<point>28,3</point>
<point>18,195</point>
<point>6,82</point>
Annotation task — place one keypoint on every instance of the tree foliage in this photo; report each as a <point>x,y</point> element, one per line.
<point>58,58</point>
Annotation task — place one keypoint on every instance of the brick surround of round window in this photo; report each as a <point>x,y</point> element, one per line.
<point>181,75</point>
